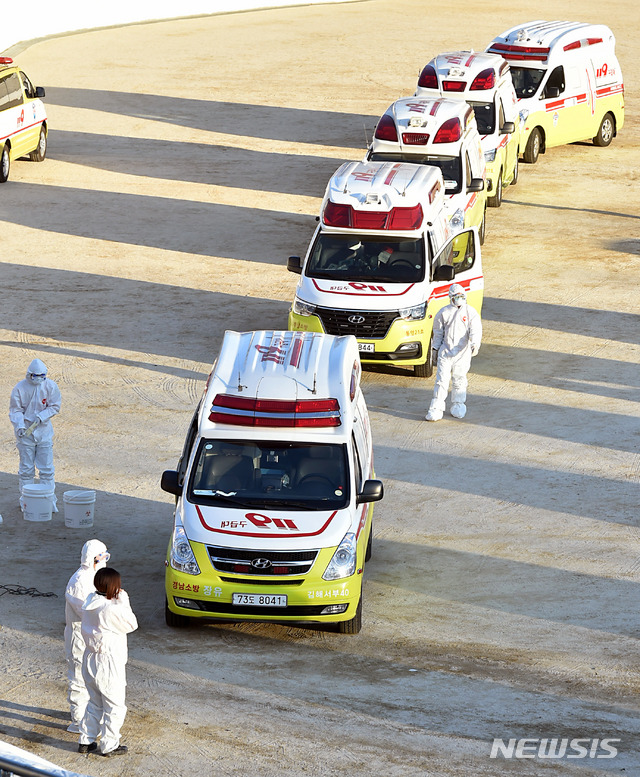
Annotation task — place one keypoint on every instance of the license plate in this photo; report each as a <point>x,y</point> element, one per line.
<point>260,600</point>
<point>368,347</point>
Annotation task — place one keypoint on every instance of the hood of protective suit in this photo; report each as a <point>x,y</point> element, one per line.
<point>38,367</point>
<point>90,550</point>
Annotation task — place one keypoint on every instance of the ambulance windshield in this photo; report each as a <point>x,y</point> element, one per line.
<point>485,114</point>
<point>526,80</point>
<point>357,258</point>
<point>264,474</point>
<point>450,165</point>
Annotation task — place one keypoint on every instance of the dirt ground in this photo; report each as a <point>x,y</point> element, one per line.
<point>186,162</point>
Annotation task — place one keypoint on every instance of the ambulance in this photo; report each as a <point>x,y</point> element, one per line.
<point>275,486</point>
<point>442,133</point>
<point>484,82</point>
<point>568,82</point>
<point>23,118</point>
<point>381,262</point>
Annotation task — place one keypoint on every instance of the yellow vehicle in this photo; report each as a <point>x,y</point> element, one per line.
<point>381,262</point>
<point>23,118</point>
<point>568,82</point>
<point>273,518</point>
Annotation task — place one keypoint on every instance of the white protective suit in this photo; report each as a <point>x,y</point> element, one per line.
<point>31,402</point>
<point>105,625</point>
<point>80,585</point>
<point>457,332</point>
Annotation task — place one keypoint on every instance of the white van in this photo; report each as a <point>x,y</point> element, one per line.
<point>381,261</point>
<point>484,82</point>
<point>23,118</point>
<point>568,82</point>
<point>273,518</point>
<point>442,133</point>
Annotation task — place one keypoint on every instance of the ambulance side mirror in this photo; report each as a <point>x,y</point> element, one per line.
<point>444,272</point>
<point>508,128</point>
<point>39,91</point>
<point>372,491</point>
<point>170,483</point>
<point>552,91</point>
<point>294,265</point>
<point>475,185</point>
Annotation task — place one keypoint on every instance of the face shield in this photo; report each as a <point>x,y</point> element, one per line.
<point>100,561</point>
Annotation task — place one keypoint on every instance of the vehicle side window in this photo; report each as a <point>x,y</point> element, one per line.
<point>10,92</point>
<point>356,458</point>
<point>188,445</point>
<point>469,171</point>
<point>27,86</point>
<point>555,79</point>
<point>460,253</point>
<point>501,116</point>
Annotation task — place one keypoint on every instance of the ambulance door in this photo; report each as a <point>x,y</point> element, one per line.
<point>509,139</point>
<point>12,113</point>
<point>557,107</point>
<point>462,253</point>
<point>32,134</point>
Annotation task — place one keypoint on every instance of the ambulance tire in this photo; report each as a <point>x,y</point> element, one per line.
<point>40,151</point>
<point>425,370</point>
<point>606,132</point>
<point>516,170</point>
<point>532,150</point>
<point>173,619</point>
<point>369,551</point>
<point>496,200</point>
<point>355,624</point>
<point>5,164</point>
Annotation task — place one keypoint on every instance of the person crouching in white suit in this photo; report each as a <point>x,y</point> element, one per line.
<point>457,332</point>
<point>33,403</point>
<point>107,618</point>
<point>94,556</point>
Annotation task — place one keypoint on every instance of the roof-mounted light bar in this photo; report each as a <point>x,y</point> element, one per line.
<point>398,219</point>
<point>249,411</point>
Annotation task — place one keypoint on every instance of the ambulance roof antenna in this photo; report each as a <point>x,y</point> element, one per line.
<point>366,137</point>
<point>240,386</point>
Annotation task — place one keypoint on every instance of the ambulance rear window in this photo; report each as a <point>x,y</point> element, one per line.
<point>485,114</point>
<point>450,166</point>
<point>526,80</point>
<point>359,258</point>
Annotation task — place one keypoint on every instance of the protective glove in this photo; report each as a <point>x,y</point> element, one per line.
<point>21,431</point>
<point>474,350</point>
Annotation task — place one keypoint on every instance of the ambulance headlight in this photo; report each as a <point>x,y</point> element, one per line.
<point>417,311</point>
<point>302,308</point>
<point>181,557</point>
<point>343,563</point>
<point>524,115</point>
<point>457,220</point>
<point>489,156</point>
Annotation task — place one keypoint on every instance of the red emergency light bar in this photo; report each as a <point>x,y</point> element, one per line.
<point>579,43</point>
<point>520,52</point>
<point>397,219</point>
<point>484,80</point>
<point>454,86</point>
<point>428,78</point>
<point>415,138</point>
<point>6,61</point>
<point>249,411</point>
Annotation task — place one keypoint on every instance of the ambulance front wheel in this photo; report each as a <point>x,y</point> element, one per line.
<point>40,151</point>
<point>606,131</point>
<point>355,624</point>
<point>532,149</point>
<point>425,370</point>
<point>496,200</point>
<point>173,619</point>
<point>5,164</point>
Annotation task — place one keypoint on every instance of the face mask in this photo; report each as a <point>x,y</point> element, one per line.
<point>458,300</point>
<point>100,561</point>
<point>37,379</point>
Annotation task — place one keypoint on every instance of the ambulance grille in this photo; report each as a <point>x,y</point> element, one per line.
<point>243,561</point>
<point>361,323</point>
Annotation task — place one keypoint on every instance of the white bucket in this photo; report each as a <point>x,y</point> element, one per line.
<point>78,509</point>
<point>37,501</point>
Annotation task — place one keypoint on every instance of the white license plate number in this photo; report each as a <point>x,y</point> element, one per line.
<point>367,347</point>
<point>260,600</point>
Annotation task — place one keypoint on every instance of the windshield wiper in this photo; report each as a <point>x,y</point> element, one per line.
<point>223,496</point>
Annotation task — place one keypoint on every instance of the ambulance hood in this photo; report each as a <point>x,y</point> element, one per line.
<point>266,528</point>
<point>357,295</point>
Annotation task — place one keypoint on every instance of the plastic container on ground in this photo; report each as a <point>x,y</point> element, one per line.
<point>37,501</point>
<point>78,509</point>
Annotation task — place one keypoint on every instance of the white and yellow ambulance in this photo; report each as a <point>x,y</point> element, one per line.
<point>23,118</point>
<point>568,82</point>
<point>381,261</point>
<point>442,133</point>
<point>484,82</point>
<point>275,486</point>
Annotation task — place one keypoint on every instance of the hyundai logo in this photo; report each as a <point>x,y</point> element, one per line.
<point>261,563</point>
<point>356,319</point>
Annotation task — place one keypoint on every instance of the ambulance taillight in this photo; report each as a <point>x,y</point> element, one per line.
<point>454,86</point>
<point>484,80</point>
<point>415,138</point>
<point>449,132</point>
<point>386,129</point>
<point>250,411</point>
<point>428,78</point>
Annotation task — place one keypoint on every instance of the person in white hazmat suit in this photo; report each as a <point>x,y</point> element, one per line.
<point>457,332</point>
<point>107,618</point>
<point>33,403</point>
<point>94,556</point>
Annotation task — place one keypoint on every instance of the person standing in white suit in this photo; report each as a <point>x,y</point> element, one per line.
<point>107,618</point>
<point>457,333</point>
<point>33,403</point>
<point>94,556</point>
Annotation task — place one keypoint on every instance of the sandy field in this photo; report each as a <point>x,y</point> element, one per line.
<point>187,160</point>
